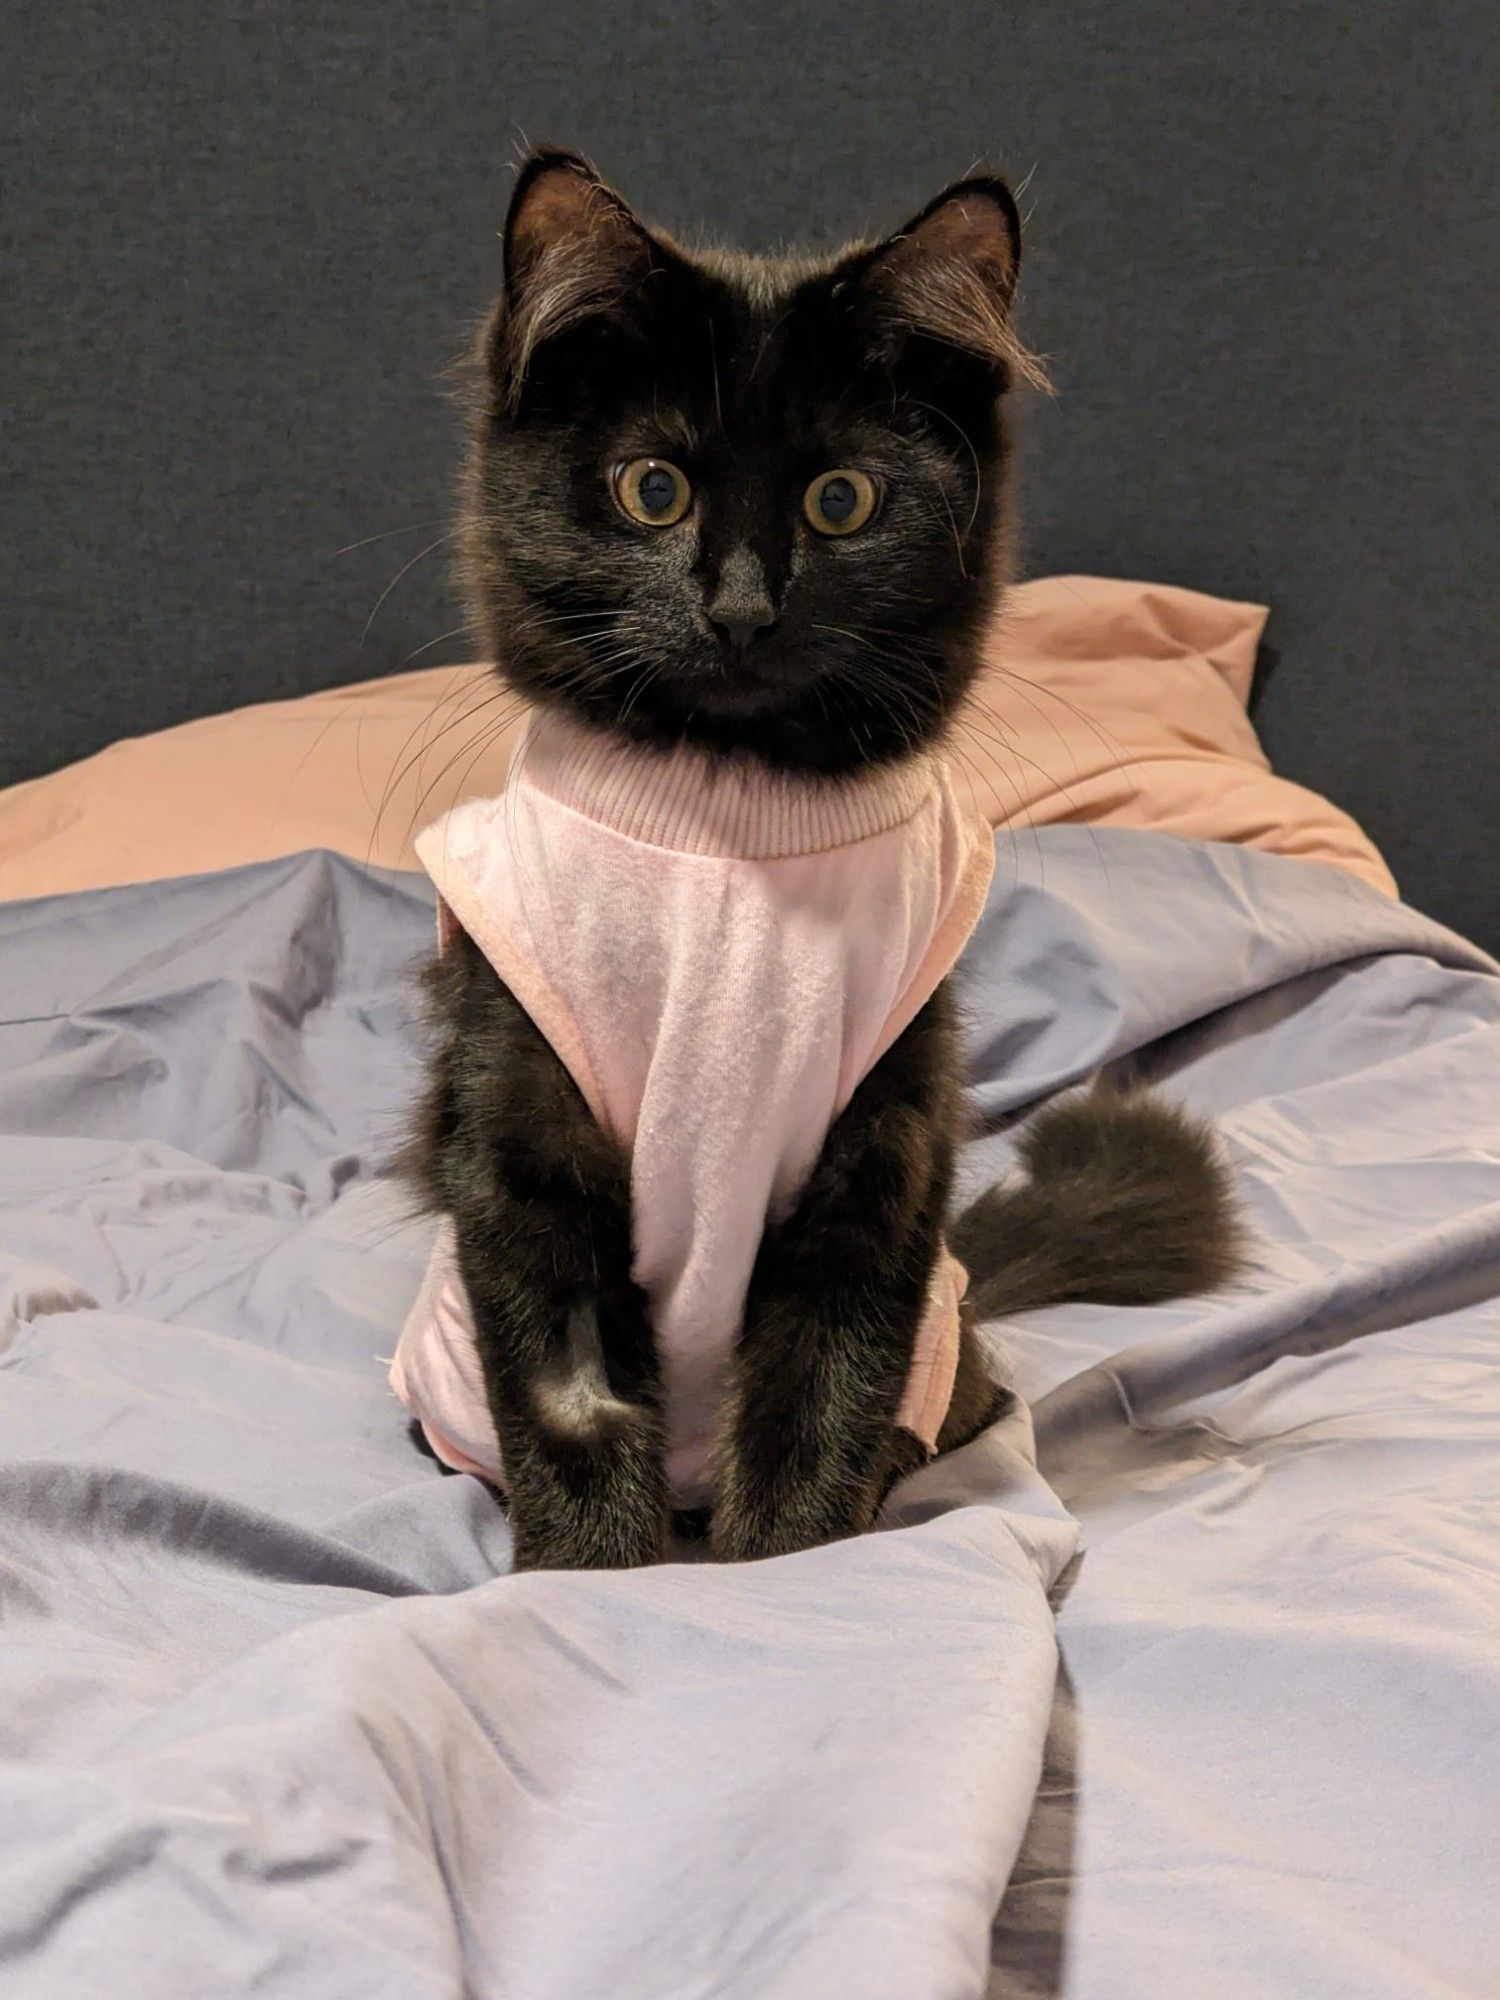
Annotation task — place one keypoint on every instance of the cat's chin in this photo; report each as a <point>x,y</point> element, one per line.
<point>730,699</point>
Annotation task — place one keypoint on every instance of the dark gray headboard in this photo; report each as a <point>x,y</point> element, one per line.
<point>245,239</point>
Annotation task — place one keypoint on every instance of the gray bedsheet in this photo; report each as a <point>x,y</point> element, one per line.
<point>274,1720</point>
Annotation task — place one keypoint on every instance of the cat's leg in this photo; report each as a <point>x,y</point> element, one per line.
<point>580,1440</point>
<point>540,1203</point>
<point>835,1303</point>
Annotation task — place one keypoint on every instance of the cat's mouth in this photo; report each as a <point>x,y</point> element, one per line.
<point>748,683</point>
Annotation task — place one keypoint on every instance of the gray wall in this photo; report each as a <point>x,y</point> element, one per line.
<point>246,239</point>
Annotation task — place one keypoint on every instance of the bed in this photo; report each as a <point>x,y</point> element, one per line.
<point>1184,1678</point>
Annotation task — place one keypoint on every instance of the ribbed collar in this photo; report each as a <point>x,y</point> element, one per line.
<point>693,804</point>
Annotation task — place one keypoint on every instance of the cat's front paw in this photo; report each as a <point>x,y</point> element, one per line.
<point>749,1528</point>
<point>595,1543</point>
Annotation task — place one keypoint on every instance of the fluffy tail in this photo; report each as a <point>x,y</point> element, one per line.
<point>1125,1202</point>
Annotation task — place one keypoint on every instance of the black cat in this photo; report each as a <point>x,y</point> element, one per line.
<point>755,507</point>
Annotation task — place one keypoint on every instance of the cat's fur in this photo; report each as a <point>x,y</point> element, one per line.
<point>747,635</point>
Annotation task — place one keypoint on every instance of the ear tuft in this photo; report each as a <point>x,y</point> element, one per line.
<point>574,252</point>
<point>950,276</point>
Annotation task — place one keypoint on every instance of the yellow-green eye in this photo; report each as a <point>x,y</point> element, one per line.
<point>652,491</point>
<point>839,502</point>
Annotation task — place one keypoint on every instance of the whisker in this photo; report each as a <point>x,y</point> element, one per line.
<point>464,681</point>
<point>413,528</point>
<point>405,570</point>
<point>430,739</point>
<point>489,734</point>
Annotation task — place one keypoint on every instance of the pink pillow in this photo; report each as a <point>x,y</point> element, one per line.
<point>1119,704</point>
<point>1109,703</point>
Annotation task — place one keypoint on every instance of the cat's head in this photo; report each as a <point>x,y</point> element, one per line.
<point>749,504</point>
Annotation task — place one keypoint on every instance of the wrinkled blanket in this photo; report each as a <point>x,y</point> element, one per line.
<point>274,1720</point>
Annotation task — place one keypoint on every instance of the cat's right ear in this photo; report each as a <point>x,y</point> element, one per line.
<point>575,253</point>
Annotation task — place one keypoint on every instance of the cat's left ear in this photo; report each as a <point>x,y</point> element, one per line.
<point>948,277</point>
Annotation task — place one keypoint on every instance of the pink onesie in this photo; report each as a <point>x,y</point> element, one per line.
<point>718,956</point>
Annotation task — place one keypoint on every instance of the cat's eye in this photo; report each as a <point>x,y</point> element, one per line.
<point>840,502</point>
<point>652,491</point>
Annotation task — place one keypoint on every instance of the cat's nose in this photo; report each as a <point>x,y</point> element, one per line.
<point>740,608</point>
<point>738,625</point>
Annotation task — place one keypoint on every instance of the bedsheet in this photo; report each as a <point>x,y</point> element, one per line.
<point>273,1718</point>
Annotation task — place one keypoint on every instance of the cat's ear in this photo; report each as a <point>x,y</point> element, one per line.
<point>574,252</point>
<point>948,277</point>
